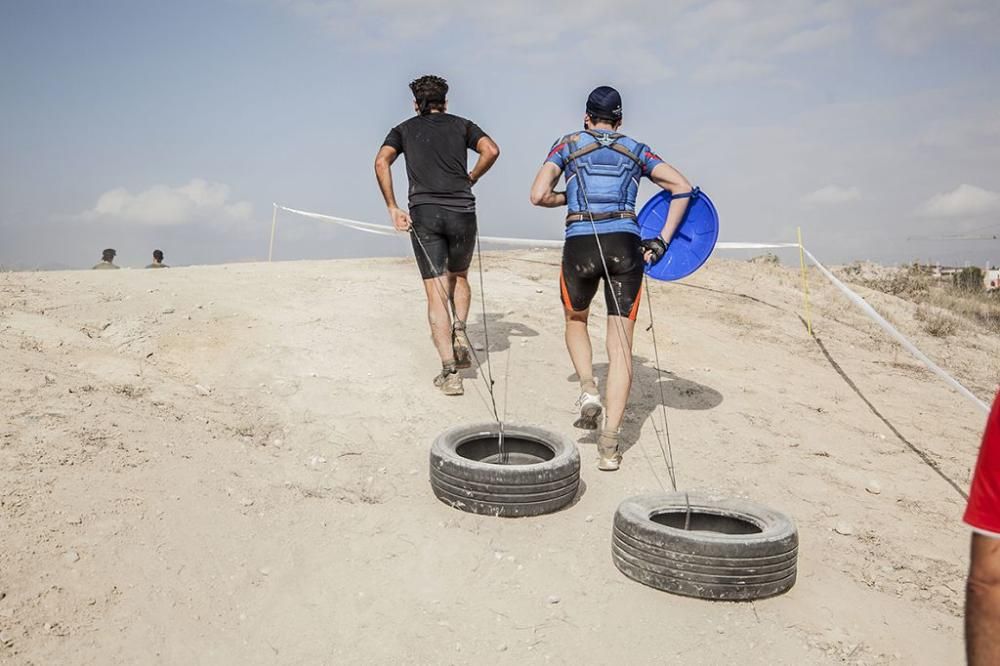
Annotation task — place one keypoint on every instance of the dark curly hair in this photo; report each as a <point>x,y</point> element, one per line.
<point>430,93</point>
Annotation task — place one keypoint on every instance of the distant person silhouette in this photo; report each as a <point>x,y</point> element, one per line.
<point>107,261</point>
<point>157,260</point>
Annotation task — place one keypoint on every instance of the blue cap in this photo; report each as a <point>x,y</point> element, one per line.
<point>605,102</point>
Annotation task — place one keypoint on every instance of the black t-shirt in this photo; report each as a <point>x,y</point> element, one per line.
<point>436,149</point>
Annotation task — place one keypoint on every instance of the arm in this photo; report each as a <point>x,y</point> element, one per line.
<point>543,189</point>
<point>674,182</point>
<point>488,154</point>
<point>383,173</point>
<point>982,602</point>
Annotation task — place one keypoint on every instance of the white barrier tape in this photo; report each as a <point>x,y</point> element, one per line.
<point>891,330</point>
<point>723,245</point>
<point>354,224</point>
<point>386,230</point>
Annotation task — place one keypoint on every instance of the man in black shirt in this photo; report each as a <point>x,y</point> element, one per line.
<point>442,215</point>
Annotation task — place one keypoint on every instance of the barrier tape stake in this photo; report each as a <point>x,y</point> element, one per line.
<point>805,284</point>
<point>274,221</point>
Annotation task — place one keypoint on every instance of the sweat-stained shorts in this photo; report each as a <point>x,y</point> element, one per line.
<point>582,271</point>
<point>448,237</point>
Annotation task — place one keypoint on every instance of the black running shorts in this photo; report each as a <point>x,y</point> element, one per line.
<point>582,271</point>
<point>443,239</point>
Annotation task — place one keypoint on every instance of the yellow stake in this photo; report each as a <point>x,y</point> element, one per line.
<point>805,284</point>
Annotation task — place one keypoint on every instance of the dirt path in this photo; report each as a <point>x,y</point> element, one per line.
<point>228,465</point>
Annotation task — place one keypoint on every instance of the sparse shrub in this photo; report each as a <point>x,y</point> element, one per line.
<point>981,308</point>
<point>969,279</point>
<point>963,299</point>
<point>936,323</point>
<point>910,282</point>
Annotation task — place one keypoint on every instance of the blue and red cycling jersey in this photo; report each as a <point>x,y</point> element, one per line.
<point>610,176</point>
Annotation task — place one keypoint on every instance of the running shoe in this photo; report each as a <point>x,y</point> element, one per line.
<point>590,411</point>
<point>452,384</point>
<point>609,457</point>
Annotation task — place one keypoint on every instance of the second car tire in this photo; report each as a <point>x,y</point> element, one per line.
<point>732,550</point>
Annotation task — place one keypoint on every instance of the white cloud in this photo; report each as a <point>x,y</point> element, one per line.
<point>718,40</point>
<point>964,129</point>
<point>964,201</point>
<point>730,71</point>
<point>832,195</point>
<point>729,40</point>
<point>910,26</point>
<point>816,38</point>
<point>162,205</point>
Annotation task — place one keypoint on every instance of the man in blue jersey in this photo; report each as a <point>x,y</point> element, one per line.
<point>602,169</point>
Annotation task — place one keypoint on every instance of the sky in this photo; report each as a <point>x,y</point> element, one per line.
<point>133,124</point>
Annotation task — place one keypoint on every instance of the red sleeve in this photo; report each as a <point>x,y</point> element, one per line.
<point>649,160</point>
<point>556,154</point>
<point>983,510</point>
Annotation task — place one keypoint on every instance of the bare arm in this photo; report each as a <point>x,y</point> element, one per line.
<point>982,602</point>
<point>674,182</point>
<point>488,154</point>
<point>543,189</point>
<point>383,173</point>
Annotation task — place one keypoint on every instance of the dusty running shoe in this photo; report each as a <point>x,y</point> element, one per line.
<point>590,406</point>
<point>452,384</point>
<point>609,457</point>
<point>446,369</point>
<point>460,344</point>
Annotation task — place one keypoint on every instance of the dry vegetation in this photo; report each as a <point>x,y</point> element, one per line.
<point>935,322</point>
<point>943,305</point>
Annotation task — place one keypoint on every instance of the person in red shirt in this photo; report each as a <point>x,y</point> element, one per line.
<point>982,590</point>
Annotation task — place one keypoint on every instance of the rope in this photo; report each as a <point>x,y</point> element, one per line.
<point>451,304</point>
<point>668,455</point>
<point>486,335</point>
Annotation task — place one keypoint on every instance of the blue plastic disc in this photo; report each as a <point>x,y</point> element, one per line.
<point>693,242</point>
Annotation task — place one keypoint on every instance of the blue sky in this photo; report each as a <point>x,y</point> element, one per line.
<point>137,125</point>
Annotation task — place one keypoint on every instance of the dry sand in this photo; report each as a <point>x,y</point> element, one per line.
<point>228,465</point>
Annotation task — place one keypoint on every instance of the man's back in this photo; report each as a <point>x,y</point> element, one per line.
<point>435,146</point>
<point>602,170</point>
<point>105,266</point>
<point>611,165</point>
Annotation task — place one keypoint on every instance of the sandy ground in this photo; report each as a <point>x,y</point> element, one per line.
<point>228,465</point>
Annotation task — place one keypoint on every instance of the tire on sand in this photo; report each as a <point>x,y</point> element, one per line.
<point>733,549</point>
<point>540,475</point>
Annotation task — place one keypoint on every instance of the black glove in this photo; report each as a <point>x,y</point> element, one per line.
<point>656,246</point>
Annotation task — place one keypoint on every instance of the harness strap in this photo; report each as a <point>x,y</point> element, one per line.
<point>597,145</point>
<point>600,217</point>
<point>619,148</point>
<point>586,150</point>
<point>598,135</point>
<point>686,195</point>
<point>600,141</point>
